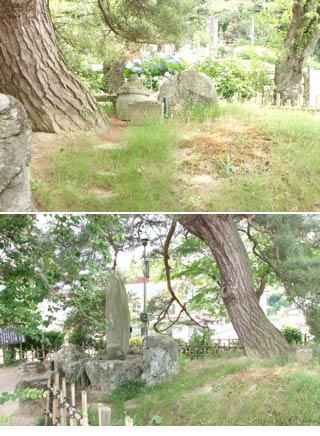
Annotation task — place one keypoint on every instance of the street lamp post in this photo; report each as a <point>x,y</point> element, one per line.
<point>144,315</point>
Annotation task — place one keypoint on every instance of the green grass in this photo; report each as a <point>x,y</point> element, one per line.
<point>291,182</point>
<point>229,392</point>
<point>145,174</point>
<point>136,177</point>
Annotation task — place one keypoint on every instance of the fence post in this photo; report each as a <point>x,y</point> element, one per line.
<point>317,107</point>
<point>128,421</point>
<point>278,100</point>
<point>84,401</point>
<point>104,413</point>
<point>55,398</point>
<point>48,401</point>
<point>73,405</point>
<point>62,408</point>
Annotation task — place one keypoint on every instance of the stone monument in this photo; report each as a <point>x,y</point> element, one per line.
<point>187,88</point>
<point>15,156</point>
<point>118,318</point>
<point>130,92</point>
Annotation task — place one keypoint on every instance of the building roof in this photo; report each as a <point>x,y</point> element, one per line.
<point>8,336</point>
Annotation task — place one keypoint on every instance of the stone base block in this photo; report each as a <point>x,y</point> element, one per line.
<point>106,375</point>
<point>140,112</point>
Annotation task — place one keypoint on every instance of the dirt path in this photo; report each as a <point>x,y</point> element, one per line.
<point>9,411</point>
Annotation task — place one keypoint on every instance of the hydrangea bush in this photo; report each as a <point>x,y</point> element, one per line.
<point>155,70</point>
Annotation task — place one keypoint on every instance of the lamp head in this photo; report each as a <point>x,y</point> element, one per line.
<point>144,241</point>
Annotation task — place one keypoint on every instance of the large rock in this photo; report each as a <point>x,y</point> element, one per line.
<point>70,361</point>
<point>15,156</point>
<point>187,88</point>
<point>106,375</point>
<point>160,359</point>
<point>118,318</point>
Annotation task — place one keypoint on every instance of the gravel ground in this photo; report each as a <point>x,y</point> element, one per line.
<point>9,411</point>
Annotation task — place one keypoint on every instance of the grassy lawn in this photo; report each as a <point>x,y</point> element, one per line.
<point>225,391</point>
<point>232,158</point>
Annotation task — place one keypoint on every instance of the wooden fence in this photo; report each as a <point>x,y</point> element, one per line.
<point>266,99</point>
<point>214,349</point>
<point>19,354</point>
<point>61,411</point>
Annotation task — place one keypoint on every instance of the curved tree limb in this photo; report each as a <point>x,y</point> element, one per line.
<point>174,297</point>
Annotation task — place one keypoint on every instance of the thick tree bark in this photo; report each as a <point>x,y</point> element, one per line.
<point>34,70</point>
<point>258,336</point>
<point>300,43</point>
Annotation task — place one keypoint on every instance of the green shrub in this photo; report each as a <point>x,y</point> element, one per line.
<point>256,53</point>
<point>199,341</point>
<point>135,341</point>
<point>292,334</point>
<point>51,339</point>
<point>231,76</point>
<point>228,76</point>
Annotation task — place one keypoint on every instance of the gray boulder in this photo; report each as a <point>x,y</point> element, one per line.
<point>70,361</point>
<point>15,156</point>
<point>187,88</point>
<point>106,375</point>
<point>118,318</point>
<point>160,359</point>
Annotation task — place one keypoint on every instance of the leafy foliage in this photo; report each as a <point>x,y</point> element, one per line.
<point>22,394</point>
<point>231,76</point>
<point>292,335</point>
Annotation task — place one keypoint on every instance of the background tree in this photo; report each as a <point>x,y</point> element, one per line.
<point>300,42</point>
<point>259,337</point>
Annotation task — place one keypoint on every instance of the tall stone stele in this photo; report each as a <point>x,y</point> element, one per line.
<point>117,317</point>
<point>15,156</point>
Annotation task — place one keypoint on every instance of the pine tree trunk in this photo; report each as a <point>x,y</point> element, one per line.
<point>34,70</point>
<point>258,336</point>
<point>300,43</point>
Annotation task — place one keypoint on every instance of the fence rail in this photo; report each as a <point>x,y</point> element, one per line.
<point>266,99</point>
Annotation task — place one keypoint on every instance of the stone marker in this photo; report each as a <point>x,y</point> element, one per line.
<point>160,359</point>
<point>15,156</point>
<point>304,355</point>
<point>118,318</point>
<point>187,88</point>
<point>141,111</point>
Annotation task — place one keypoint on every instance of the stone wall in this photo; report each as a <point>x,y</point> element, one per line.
<point>15,156</point>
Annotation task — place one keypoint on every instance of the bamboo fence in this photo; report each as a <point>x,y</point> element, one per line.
<point>60,411</point>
